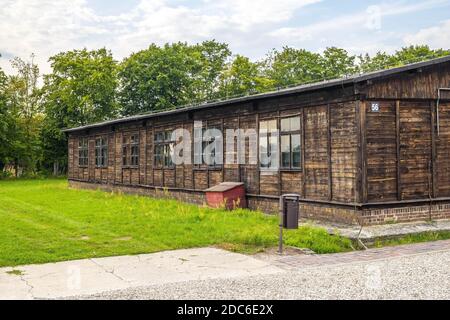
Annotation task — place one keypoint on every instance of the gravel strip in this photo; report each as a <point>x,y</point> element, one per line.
<point>425,276</point>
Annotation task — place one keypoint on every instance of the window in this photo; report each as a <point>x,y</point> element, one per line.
<point>268,143</point>
<point>101,152</point>
<point>200,138</point>
<point>134,150</point>
<point>130,150</point>
<point>290,143</point>
<point>83,152</point>
<point>164,148</point>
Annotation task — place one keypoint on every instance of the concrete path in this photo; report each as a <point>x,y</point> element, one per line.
<point>371,255</point>
<point>90,276</point>
<point>419,271</point>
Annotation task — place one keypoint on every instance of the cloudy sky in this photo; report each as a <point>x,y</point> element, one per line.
<point>251,27</point>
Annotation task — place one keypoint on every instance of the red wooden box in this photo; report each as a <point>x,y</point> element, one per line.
<point>228,194</point>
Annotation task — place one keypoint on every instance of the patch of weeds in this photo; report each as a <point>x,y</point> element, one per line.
<point>15,272</point>
<point>413,238</point>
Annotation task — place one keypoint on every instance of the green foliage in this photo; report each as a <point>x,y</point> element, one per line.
<point>167,77</point>
<point>413,238</point>
<point>292,66</point>
<point>80,90</point>
<point>337,63</point>
<point>317,239</point>
<point>406,55</point>
<point>21,117</point>
<point>242,76</point>
<point>82,87</point>
<point>45,221</point>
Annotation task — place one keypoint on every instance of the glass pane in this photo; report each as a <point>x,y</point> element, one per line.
<point>295,123</point>
<point>285,152</point>
<point>263,126</point>
<point>272,125</point>
<point>296,151</point>
<point>263,141</point>
<point>285,124</point>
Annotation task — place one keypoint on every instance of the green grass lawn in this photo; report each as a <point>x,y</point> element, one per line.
<point>45,221</point>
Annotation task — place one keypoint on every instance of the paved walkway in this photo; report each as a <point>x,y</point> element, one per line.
<point>299,261</point>
<point>90,276</point>
<point>415,271</point>
<point>407,272</point>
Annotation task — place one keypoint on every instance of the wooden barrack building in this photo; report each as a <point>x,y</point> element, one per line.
<point>367,149</point>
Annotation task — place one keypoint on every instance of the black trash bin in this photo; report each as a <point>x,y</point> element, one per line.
<point>290,212</point>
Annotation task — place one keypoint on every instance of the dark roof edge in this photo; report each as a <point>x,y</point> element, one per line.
<point>291,90</point>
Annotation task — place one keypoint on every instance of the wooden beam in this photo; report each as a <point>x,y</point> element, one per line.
<point>237,151</point>
<point>330,182</point>
<point>397,125</point>
<point>303,154</point>
<point>433,150</point>
<point>361,107</point>
<point>280,182</point>
<point>223,149</point>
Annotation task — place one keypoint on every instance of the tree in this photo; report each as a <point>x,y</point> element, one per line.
<point>418,53</point>
<point>292,66</point>
<point>404,56</point>
<point>337,63</point>
<point>5,122</point>
<point>167,77</point>
<point>81,89</point>
<point>379,61</point>
<point>242,76</point>
<point>214,57</point>
<point>24,108</point>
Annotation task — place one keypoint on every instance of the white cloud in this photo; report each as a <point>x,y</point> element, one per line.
<point>47,27</point>
<point>436,37</point>
<point>251,27</point>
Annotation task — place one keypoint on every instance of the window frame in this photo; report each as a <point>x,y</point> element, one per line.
<point>83,148</point>
<point>128,145</point>
<point>163,160</point>
<point>290,133</point>
<point>268,136</point>
<point>101,152</point>
<point>204,165</point>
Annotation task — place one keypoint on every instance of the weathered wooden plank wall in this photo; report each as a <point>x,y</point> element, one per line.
<point>442,163</point>
<point>329,140</point>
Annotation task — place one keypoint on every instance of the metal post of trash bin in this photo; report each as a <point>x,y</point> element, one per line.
<point>286,220</point>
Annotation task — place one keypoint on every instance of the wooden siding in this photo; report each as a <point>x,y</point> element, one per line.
<point>329,140</point>
<point>415,150</point>
<point>316,153</point>
<point>420,84</point>
<point>343,146</point>
<point>381,142</point>
<point>442,165</point>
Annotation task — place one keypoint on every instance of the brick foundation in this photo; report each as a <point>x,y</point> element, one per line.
<point>406,214</point>
<point>324,212</point>
<point>356,216</point>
